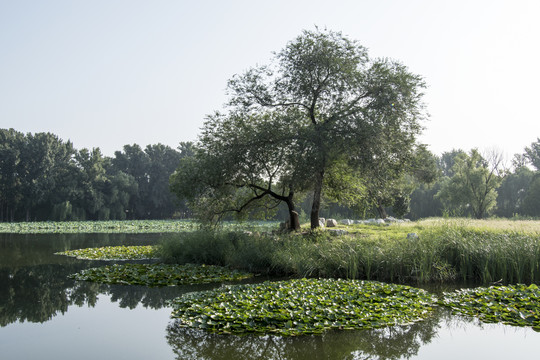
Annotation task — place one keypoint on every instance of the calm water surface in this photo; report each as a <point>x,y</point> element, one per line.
<point>45,315</point>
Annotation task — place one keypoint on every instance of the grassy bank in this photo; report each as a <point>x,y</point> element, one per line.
<point>444,251</point>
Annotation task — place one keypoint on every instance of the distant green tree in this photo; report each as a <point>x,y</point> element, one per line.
<point>151,169</point>
<point>134,161</point>
<point>447,161</point>
<point>519,161</point>
<point>532,154</point>
<point>118,192</point>
<point>162,162</point>
<point>44,178</point>
<point>531,202</point>
<point>424,203</point>
<point>45,161</point>
<point>11,142</point>
<point>93,182</point>
<point>513,191</point>
<point>473,186</point>
<point>186,149</point>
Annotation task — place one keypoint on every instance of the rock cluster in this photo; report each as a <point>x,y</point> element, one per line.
<point>387,221</point>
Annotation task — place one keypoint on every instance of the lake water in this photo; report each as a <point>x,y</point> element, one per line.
<point>45,315</point>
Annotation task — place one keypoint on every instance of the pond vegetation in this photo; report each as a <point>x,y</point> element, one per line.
<point>124,226</point>
<point>70,227</point>
<point>517,305</point>
<point>159,274</point>
<point>113,253</point>
<point>302,306</point>
<point>443,251</point>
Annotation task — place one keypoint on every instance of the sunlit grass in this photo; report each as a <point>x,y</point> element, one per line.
<point>527,226</point>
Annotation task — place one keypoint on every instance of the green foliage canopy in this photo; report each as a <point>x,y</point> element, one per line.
<point>321,109</point>
<point>473,185</point>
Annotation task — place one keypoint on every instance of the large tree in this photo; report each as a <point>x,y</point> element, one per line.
<point>333,110</point>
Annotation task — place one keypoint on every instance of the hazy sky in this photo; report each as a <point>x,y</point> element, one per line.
<point>105,73</point>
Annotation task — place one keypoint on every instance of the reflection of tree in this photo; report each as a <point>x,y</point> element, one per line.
<point>153,298</point>
<point>388,343</point>
<point>34,294</point>
<point>34,283</point>
<point>18,250</point>
<point>38,293</point>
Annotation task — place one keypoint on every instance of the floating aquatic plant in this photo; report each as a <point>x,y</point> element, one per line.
<point>112,226</point>
<point>113,253</point>
<point>302,306</point>
<point>123,226</point>
<point>517,305</point>
<point>159,274</point>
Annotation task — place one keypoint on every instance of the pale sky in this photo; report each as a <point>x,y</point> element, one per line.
<point>105,73</point>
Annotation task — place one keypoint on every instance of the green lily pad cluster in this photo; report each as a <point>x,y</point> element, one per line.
<point>114,253</point>
<point>159,274</point>
<point>302,306</point>
<point>112,226</point>
<point>517,305</point>
<point>123,226</point>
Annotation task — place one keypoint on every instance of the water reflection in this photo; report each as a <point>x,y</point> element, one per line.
<point>34,283</point>
<point>34,288</point>
<point>18,250</point>
<point>389,343</point>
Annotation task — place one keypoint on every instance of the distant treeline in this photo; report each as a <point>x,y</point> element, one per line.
<point>44,178</point>
<point>481,185</point>
<point>467,184</point>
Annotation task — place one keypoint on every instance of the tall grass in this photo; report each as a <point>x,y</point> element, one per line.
<point>226,248</point>
<point>491,256</point>
<point>443,252</point>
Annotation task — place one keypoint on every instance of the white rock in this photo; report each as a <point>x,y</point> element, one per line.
<point>331,223</point>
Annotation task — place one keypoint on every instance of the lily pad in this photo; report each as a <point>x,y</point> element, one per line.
<point>517,305</point>
<point>113,253</point>
<point>159,274</point>
<point>302,306</point>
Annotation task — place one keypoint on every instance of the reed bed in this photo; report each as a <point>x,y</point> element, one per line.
<point>444,251</point>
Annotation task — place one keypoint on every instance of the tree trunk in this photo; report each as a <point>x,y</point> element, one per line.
<point>381,210</point>
<point>294,220</point>
<point>316,204</point>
